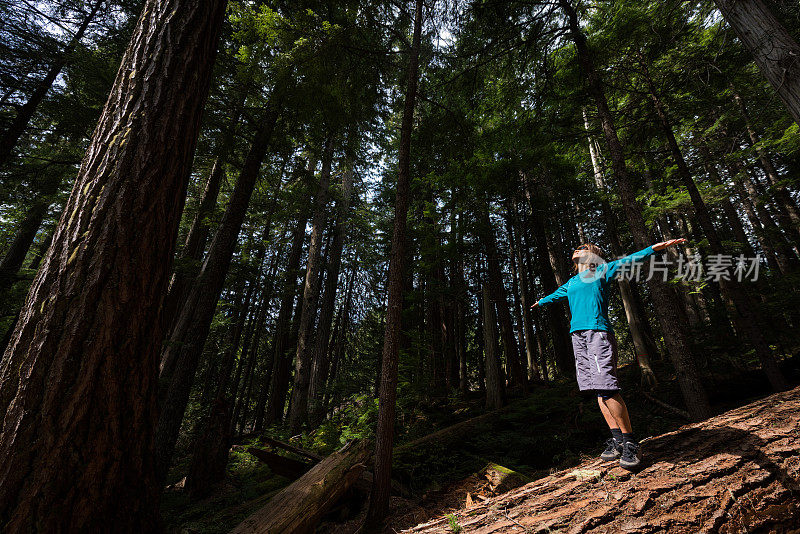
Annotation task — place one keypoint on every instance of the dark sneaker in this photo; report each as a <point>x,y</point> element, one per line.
<point>613,450</point>
<point>630,456</point>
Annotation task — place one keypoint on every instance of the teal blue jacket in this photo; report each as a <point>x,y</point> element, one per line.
<point>587,293</point>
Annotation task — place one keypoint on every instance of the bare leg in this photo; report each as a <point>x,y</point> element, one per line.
<point>612,423</point>
<point>618,412</point>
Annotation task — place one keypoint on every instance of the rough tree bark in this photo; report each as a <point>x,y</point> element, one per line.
<point>675,337</point>
<point>774,50</point>
<point>78,380</point>
<point>379,497</point>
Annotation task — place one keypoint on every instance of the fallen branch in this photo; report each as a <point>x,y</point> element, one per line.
<point>451,432</point>
<point>291,448</point>
<point>677,411</point>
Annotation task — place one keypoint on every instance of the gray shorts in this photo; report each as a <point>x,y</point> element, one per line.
<point>595,359</point>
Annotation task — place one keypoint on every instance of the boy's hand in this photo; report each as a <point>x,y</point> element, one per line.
<point>670,243</point>
<point>535,305</point>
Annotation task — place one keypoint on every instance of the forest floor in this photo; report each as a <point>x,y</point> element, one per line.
<point>736,472</point>
<point>552,436</point>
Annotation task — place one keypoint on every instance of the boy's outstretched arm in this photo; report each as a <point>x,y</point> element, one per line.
<point>555,296</point>
<point>612,266</point>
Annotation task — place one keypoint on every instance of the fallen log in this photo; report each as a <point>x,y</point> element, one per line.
<point>736,472</point>
<point>281,465</point>
<point>298,507</point>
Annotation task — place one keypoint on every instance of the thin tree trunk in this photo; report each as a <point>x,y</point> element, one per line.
<point>302,373</point>
<point>633,312</point>
<point>774,50</point>
<point>495,381</point>
<point>20,123</point>
<point>674,332</point>
<point>746,316</point>
<point>78,380</point>
<point>279,385</point>
<point>320,363</point>
<point>731,214</point>
<point>340,336</point>
<point>21,243</point>
<point>192,327</point>
<point>379,496</point>
<point>772,232</point>
<point>194,246</point>
<point>564,358</point>
<point>787,207</point>
<point>522,302</point>
<point>500,301</point>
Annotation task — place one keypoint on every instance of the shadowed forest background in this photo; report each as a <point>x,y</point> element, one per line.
<point>289,225</point>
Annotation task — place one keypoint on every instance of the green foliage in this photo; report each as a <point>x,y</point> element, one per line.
<point>452,522</point>
<point>356,419</point>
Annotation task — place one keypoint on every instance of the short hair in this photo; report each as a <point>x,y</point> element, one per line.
<point>592,249</point>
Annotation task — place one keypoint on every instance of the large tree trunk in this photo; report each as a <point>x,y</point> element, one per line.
<point>666,306</point>
<point>321,363</point>
<point>379,497</point>
<point>302,372</point>
<point>78,380</point>
<point>191,329</point>
<point>774,50</point>
<point>25,113</point>
<point>746,316</point>
<point>495,381</point>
